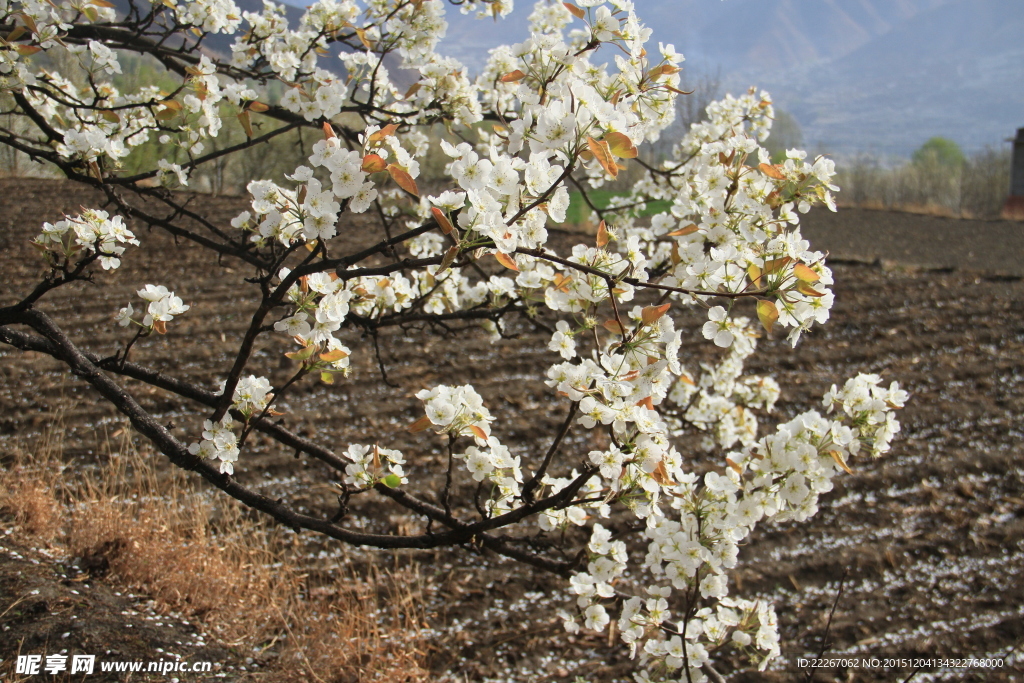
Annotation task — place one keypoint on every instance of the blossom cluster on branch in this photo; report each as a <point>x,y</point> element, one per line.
<point>567,110</point>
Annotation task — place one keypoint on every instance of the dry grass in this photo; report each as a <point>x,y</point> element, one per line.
<point>153,532</point>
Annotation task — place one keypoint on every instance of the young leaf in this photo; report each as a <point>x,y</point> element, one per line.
<point>688,230</point>
<point>403,179</point>
<point>442,220</point>
<point>513,77</point>
<point>574,10</point>
<point>26,50</point>
<point>449,259</point>
<point>329,131</point>
<point>301,354</point>
<point>651,314</point>
<point>660,472</point>
<point>663,70</point>
<point>775,265</point>
<point>419,425</point>
<point>326,378</point>
<point>602,235</point>
<point>160,327</point>
<point>373,163</point>
<point>257,107</point>
<point>733,466</point>
<point>838,457</point>
<point>772,171</point>
<point>361,33</point>
<point>413,89</point>
<point>506,260</point>
<point>805,274</point>
<point>620,145</point>
<point>392,481</point>
<point>767,314</point>
<point>601,152</point>
<point>333,356</point>
<point>614,326</point>
<point>243,118</point>
<point>478,432</point>
<point>807,290</point>
<point>386,131</point>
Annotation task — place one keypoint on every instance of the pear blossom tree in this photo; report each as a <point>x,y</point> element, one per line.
<point>566,110</point>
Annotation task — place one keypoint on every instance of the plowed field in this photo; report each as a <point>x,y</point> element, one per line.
<point>930,539</point>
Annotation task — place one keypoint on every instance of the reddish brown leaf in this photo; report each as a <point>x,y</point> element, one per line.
<point>614,326</point>
<point>574,10</point>
<point>442,220</point>
<point>384,132</point>
<point>513,76</point>
<point>419,425</point>
<point>506,260</point>
<point>373,163</point>
<point>413,89</point>
<point>361,33</point>
<point>651,314</point>
<point>837,456</point>
<point>660,473</point>
<point>602,235</point>
<point>772,171</point>
<point>775,265</point>
<point>688,230</point>
<point>601,152</point>
<point>243,118</point>
<point>404,180</point>
<point>449,259</point>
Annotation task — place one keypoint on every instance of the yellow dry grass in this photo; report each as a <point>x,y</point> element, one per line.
<point>154,532</point>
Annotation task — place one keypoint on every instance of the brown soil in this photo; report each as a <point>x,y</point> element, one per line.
<point>930,538</point>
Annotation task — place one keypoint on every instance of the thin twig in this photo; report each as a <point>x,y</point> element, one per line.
<point>828,626</point>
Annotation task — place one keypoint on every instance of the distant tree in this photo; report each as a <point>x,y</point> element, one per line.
<point>939,151</point>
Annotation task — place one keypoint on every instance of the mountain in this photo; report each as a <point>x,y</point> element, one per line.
<point>859,76</point>
<point>955,70</point>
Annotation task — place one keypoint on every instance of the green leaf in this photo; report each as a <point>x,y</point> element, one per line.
<point>392,481</point>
